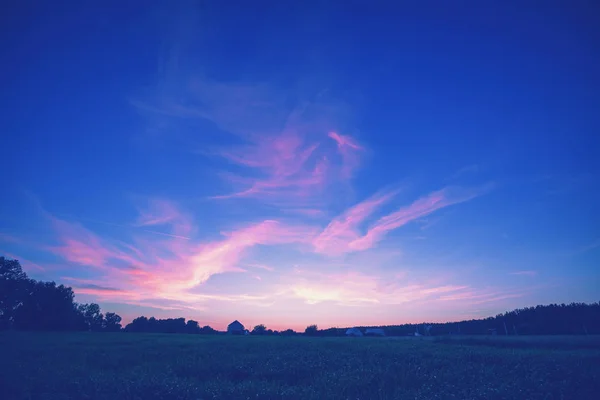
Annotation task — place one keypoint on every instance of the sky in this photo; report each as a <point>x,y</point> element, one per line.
<point>329,163</point>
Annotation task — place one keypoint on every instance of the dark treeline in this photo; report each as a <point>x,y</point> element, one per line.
<point>553,319</point>
<point>27,304</point>
<point>170,325</point>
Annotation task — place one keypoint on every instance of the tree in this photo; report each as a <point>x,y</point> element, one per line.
<point>259,330</point>
<point>169,325</point>
<point>13,288</point>
<point>93,318</point>
<point>47,306</point>
<point>207,330</point>
<point>288,332</point>
<point>112,322</point>
<point>192,326</point>
<point>140,324</point>
<point>28,304</point>
<point>311,330</point>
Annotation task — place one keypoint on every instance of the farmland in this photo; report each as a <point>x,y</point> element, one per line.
<point>155,366</point>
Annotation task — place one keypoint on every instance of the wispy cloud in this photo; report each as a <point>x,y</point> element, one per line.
<point>359,289</point>
<point>343,230</point>
<point>290,168</point>
<point>164,213</point>
<point>342,235</point>
<point>350,151</point>
<point>594,245</point>
<point>524,273</point>
<point>294,171</point>
<point>168,269</point>
<point>480,297</point>
<point>80,246</point>
<point>261,266</point>
<point>286,156</point>
<point>424,206</point>
<point>466,170</point>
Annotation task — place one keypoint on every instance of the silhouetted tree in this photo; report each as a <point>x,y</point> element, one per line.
<point>139,324</point>
<point>259,330</point>
<point>311,330</point>
<point>288,332</point>
<point>552,319</point>
<point>92,317</point>
<point>46,306</point>
<point>112,322</point>
<point>13,288</point>
<point>192,326</point>
<point>207,330</point>
<point>28,304</point>
<point>169,325</point>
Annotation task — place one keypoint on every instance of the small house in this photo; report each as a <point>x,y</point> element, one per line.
<point>354,332</point>
<point>374,332</point>
<point>235,328</point>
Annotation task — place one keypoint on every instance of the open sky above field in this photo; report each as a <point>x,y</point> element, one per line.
<point>330,163</point>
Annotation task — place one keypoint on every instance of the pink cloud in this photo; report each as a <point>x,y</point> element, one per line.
<point>79,245</point>
<point>349,149</point>
<point>342,236</point>
<point>261,266</point>
<point>291,171</point>
<point>285,159</point>
<point>345,141</point>
<point>443,289</point>
<point>161,213</point>
<point>480,296</point>
<point>356,288</point>
<point>106,294</point>
<point>424,206</point>
<point>336,237</point>
<point>165,269</point>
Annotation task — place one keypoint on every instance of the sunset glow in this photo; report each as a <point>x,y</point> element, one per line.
<point>210,179</point>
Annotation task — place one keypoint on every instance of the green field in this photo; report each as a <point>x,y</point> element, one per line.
<point>154,366</point>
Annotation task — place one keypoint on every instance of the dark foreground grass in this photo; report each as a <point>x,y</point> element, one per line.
<point>146,366</point>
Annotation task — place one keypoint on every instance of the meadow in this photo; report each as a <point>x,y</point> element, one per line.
<point>160,366</point>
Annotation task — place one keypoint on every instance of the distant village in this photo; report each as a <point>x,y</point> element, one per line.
<point>237,328</point>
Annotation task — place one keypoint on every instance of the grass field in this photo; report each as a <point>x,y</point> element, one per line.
<point>152,366</point>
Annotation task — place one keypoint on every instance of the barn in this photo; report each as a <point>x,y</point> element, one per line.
<point>235,328</point>
<point>354,332</point>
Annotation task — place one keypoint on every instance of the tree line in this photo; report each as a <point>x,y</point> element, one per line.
<point>552,319</point>
<point>27,304</point>
<point>169,325</point>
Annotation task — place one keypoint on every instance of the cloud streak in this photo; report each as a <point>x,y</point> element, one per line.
<point>359,289</point>
<point>290,154</point>
<point>167,269</point>
<point>524,273</point>
<point>342,235</point>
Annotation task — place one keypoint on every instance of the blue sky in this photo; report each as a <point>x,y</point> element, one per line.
<point>338,164</point>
